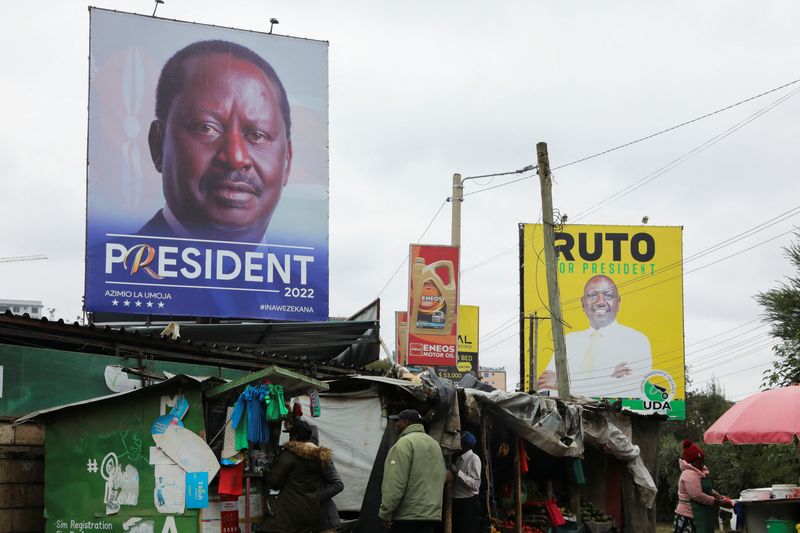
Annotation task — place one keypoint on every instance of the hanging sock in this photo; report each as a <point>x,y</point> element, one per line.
<point>241,435</point>
<point>316,404</point>
<point>239,409</point>
<point>276,409</point>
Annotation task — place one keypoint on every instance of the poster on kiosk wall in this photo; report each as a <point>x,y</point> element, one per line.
<point>433,305</point>
<point>207,171</point>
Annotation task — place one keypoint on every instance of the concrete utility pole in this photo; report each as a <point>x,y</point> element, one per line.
<point>551,268</point>
<point>455,240</point>
<point>457,198</point>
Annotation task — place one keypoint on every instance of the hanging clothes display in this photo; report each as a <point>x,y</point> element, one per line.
<point>276,405</point>
<point>249,417</point>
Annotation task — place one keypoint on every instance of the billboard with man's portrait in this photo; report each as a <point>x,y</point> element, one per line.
<point>207,171</point>
<point>621,290</point>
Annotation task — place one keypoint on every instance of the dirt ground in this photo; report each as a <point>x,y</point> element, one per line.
<point>663,528</point>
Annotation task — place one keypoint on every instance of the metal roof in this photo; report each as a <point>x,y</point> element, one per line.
<point>321,349</point>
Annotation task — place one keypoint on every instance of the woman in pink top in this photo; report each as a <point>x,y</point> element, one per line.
<point>697,500</point>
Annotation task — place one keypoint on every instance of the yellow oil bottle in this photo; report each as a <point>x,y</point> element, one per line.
<point>433,304</point>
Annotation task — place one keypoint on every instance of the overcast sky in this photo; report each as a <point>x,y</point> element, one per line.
<point>420,90</point>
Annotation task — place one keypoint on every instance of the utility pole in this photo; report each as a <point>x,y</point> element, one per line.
<point>533,349</point>
<point>551,268</point>
<point>457,198</point>
<point>455,240</point>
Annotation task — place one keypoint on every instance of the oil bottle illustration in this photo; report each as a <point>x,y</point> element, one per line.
<point>433,306</point>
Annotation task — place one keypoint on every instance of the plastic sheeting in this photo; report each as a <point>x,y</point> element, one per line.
<point>600,431</point>
<point>352,426</point>
<point>561,429</point>
<point>547,423</point>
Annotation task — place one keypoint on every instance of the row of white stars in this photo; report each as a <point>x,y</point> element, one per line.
<point>137,303</point>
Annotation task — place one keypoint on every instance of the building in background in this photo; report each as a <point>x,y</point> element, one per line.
<point>496,377</point>
<point>20,307</point>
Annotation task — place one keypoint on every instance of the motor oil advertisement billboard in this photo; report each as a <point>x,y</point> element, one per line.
<point>433,305</point>
<point>207,171</point>
<point>467,357</point>
<point>621,293</point>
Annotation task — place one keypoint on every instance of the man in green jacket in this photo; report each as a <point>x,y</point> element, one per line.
<point>413,478</point>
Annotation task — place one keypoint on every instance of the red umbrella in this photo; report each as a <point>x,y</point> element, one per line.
<point>768,417</point>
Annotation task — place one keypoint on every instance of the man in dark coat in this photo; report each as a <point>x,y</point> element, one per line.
<point>297,474</point>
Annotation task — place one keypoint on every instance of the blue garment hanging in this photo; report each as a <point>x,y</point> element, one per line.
<point>251,401</point>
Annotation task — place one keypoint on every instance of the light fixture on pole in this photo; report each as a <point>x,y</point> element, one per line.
<point>272,22</point>
<point>458,198</point>
<point>155,8</point>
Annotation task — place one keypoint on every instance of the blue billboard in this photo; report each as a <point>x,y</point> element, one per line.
<point>207,171</point>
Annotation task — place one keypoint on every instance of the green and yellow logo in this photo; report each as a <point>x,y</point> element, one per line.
<point>658,390</point>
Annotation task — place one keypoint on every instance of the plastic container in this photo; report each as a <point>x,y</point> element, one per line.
<point>781,526</point>
<point>780,491</point>
<point>433,309</point>
<point>756,494</point>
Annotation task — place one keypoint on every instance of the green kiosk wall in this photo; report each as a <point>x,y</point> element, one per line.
<point>80,442</point>
<point>37,378</point>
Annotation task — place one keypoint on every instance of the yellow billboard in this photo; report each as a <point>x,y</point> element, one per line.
<point>621,293</point>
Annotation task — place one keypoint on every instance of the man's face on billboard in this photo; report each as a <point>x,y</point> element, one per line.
<point>223,152</point>
<point>600,301</point>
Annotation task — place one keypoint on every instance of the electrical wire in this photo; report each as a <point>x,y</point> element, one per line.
<point>405,259</point>
<point>646,137</point>
<point>682,159</point>
<point>714,248</point>
<point>501,184</point>
<point>667,130</point>
<point>722,244</point>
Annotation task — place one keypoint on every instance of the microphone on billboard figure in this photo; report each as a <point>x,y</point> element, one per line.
<point>433,308</point>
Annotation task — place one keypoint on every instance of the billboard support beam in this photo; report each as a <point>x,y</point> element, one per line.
<point>554,298</point>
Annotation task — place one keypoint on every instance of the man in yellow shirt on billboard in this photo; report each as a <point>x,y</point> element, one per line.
<point>608,359</point>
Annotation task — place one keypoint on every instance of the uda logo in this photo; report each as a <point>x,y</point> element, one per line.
<point>658,389</point>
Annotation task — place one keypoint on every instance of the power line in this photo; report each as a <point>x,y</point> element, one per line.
<point>646,137</point>
<point>692,121</point>
<point>677,362</point>
<point>682,159</point>
<point>405,259</point>
<point>512,321</point>
<point>501,184</point>
<point>727,242</point>
<point>663,170</point>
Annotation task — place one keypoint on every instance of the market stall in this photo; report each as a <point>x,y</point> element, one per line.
<point>154,458</point>
<point>536,462</point>
<point>767,417</point>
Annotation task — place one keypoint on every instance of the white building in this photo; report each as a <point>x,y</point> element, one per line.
<point>20,307</point>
